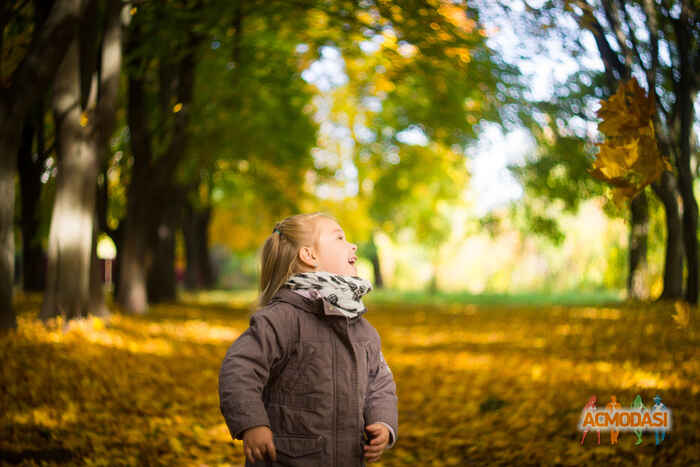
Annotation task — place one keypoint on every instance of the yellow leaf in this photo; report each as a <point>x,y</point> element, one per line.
<point>629,158</point>
<point>682,314</point>
<point>177,107</point>
<point>175,444</point>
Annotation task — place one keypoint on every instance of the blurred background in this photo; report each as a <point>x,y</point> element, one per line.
<point>156,143</point>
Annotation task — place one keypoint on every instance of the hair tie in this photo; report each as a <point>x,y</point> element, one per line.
<point>276,230</point>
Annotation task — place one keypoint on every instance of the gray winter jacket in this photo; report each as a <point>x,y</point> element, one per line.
<point>311,374</point>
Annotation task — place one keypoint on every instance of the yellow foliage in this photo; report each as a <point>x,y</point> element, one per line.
<point>629,158</point>
<point>477,384</point>
<point>456,16</point>
<point>460,52</point>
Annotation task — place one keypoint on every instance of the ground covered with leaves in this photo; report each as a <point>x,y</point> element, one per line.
<point>491,385</point>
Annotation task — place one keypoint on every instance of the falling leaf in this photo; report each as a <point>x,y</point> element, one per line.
<point>629,158</point>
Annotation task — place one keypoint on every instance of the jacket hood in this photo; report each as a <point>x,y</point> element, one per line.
<point>317,306</point>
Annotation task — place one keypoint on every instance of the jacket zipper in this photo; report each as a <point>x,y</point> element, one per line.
<point>335,437</point>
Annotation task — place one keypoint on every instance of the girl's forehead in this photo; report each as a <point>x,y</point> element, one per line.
<point>329,225</point>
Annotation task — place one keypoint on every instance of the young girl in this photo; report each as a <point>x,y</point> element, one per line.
<point>307,380</point>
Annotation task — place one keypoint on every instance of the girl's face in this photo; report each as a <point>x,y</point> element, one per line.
<point>334,254</point>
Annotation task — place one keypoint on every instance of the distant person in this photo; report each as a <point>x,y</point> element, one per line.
<point>307,380</point>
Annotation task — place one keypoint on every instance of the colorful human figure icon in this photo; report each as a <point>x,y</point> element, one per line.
<point>590,405</point>
<point>658,405</point>
<point>638,404</point>
<point>611,407</point>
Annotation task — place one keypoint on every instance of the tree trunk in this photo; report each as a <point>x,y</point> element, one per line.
<point>70,238</point>
<point>376,266</point>
<point>161,276</point>
<point>117,236</point>
<point>208,273</point>
<point>9,143</point>
<point>105,115</point>
<point>97,303</point>
<point>638,276</point>
<point>667,191</point>
<point>151,176</point>
<point>30,170</point>
<point>193,274</point>
<point>29,81</point>
<point>433,285</point>
<point>685,100</point>
<point>135,258</point>
<point>199,271</point>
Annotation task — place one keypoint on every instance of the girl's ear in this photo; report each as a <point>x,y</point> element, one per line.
<point>308,256</point>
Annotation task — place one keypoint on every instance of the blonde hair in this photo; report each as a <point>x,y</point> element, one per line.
<point>280,253</point>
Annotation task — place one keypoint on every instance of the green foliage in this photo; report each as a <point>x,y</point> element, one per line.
<point>252,123</point>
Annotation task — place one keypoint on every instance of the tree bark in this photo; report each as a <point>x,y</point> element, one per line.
<point>70,238</point>
<point>148,194</point>
<point>135,258</point>
<point>108,72</point>
<point>638,278</point>
<point>84,105</point>
<point>685,100</point>
<point>9,142</point>
<point>97,305</point>
<point>30,170</point>
<point>667,191</point>
<point>376,266</point>
<point>161,276</point>
<point>33,75</point>
<point>199,271</point>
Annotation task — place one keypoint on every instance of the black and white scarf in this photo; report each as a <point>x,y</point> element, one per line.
<point>343,292</point>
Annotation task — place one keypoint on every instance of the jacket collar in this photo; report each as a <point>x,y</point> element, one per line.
<point>317,306</point>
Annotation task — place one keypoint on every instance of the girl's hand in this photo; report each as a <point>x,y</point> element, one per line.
<point>257,443</point>
<point>380,439</point>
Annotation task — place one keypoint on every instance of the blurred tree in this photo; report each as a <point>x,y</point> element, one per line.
<point>84,105</point>
<point>161,48</point>
<point>415,95</point>
<point>409,103</point>
<point>250,144</point>
<point>31,161</point>
<point>657,42</point>
<point>38,37</point>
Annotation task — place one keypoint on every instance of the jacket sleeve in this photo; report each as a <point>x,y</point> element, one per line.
<point>381,404</point>
<point>245,371</point>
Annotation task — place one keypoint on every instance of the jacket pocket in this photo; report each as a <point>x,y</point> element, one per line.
<point>298,445</point>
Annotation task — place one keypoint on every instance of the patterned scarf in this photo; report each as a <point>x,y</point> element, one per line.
<point>343,292</point>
